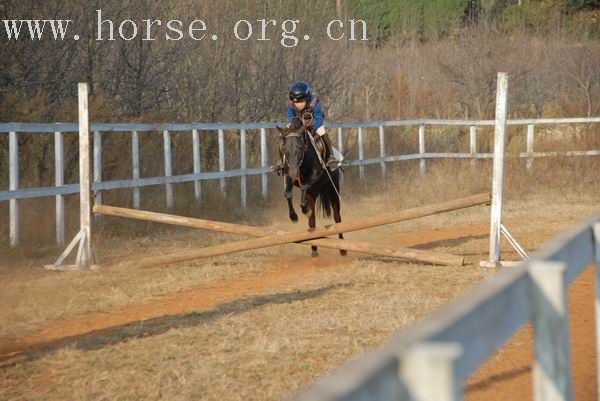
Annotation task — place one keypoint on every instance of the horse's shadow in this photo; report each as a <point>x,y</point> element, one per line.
<point>153,327</point>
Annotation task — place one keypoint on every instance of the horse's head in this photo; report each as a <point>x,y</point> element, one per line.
<point>292,145</point>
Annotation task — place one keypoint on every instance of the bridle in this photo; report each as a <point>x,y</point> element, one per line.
<point>306,119</point>
<point>304,145</point>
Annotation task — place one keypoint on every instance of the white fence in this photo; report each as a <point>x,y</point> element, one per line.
<point>432,360</point>
<point>59,190</point>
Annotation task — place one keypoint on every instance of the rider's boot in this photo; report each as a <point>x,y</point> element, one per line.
<point>331,161</point>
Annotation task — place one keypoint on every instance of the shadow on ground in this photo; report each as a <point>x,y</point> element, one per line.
<point>153,327</point>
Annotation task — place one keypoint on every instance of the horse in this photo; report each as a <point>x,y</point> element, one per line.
<point>305,171</point>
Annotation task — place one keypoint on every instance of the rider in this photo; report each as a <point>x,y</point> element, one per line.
<point>303,101</point>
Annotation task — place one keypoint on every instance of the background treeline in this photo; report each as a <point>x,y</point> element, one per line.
<point>425,58</point>
<point>434,58</point>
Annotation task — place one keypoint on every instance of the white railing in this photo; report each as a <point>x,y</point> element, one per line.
<point>431,361</point>
<point>59,190</point>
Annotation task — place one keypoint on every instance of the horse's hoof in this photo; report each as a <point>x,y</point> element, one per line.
<point>294,217</point>
<point>305,209</point>
<point>314,254</point>
<point>311,229</point>
<point>344,253</point>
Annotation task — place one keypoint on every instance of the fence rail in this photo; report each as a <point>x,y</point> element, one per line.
<point>450,345</point>
<point>15,193</point>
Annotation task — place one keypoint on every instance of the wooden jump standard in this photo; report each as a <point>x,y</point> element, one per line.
<point>238,229</point>
<point>280,239</point>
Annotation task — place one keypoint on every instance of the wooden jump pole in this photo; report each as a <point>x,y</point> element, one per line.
<point>274,240</point>
<point>238,229</point>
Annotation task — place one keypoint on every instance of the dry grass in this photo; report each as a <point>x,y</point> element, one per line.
<point>265,344</point>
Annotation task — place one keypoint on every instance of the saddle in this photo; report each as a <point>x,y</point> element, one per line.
<point>320,145</point>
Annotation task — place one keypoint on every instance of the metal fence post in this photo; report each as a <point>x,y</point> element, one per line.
<point>340,143</point>
<point>13,185</point>
<point>243,166</point>
<point>361,153</point>
<point>552,367</point>
<point>222,158</point>
<point>340,140</point>
<point>530,132</point>
<point>473,143</point>
<point>422,162</point>
<point>382,149</point>
<point>59,181</point>
<point>168,167</point>
<point>196,151</point>
<point>264,160</point>
<point>135,161</point>
<point>98,166</point>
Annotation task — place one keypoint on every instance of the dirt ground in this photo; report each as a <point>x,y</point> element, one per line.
<point>263,324</point>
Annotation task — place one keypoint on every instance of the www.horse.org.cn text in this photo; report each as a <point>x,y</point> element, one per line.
<point>287,33</point>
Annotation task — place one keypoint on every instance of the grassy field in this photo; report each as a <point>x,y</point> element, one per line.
<point>253,326</point>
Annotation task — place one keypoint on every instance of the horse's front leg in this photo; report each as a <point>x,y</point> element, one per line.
<point>303,199</point>
<point>312,220</point>
<point>289,185</point>
<point>338,219</point>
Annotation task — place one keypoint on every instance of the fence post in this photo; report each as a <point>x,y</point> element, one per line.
<point>361,153</point>
<point>13,185</point>
<point>59,181</point>
<point>135,161</point>
<point>498,167</point>
<point>530,132</point>
<point>340,143</point>
<point>473,143</point>
<point>382,149</point>
<point>422,162</point>
<point>168,167</point>
<point>428,372</point>
<point>552,367</point>
<point>222,158</point>
<point>84,255</point>
<point>196,151</point>
<point>98,166</point>
<point>243,165</point>
<point>264,159</point>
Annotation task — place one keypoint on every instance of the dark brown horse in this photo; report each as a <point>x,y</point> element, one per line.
<point>305,171</point>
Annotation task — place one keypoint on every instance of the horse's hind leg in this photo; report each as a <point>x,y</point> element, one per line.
<point>337,217</point>
<point>312,219</point>
<point>289,185</point>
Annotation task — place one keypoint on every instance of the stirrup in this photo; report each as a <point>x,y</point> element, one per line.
<point>333,163</point>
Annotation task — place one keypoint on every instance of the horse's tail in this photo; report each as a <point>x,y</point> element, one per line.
<point>329,194</point>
